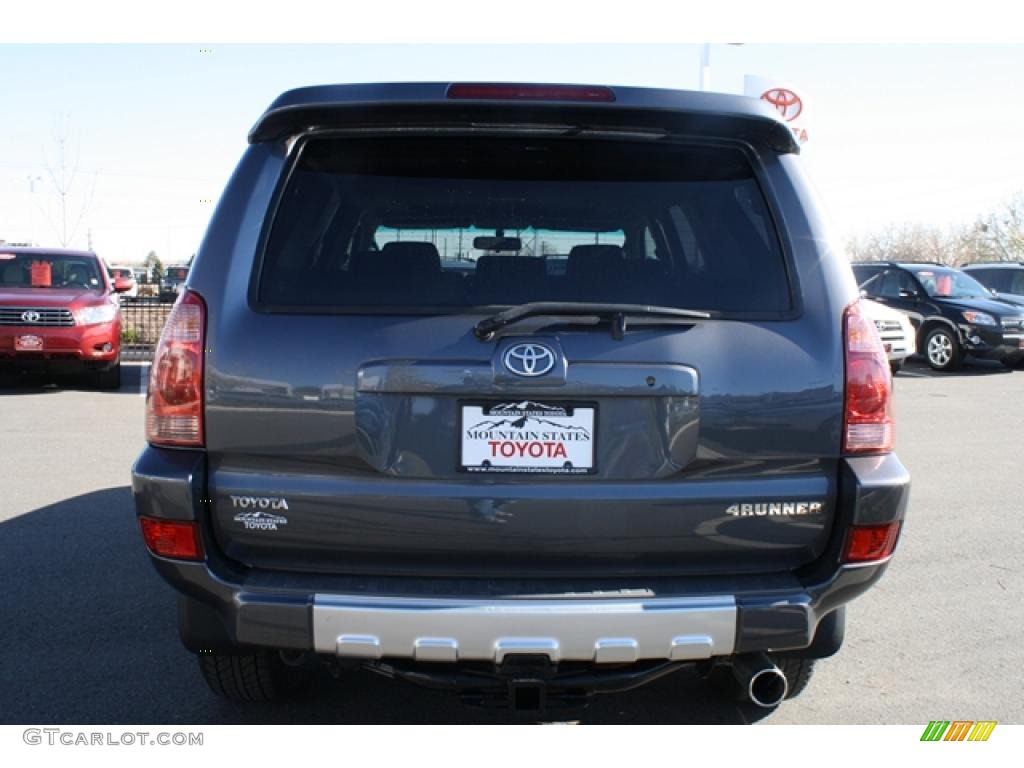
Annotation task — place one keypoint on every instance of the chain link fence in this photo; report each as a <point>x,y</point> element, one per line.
<point>142,320</point>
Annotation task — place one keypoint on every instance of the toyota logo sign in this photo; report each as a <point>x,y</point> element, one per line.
<point>31,316</point>
<point>788,103</point>
<point>529,359</point>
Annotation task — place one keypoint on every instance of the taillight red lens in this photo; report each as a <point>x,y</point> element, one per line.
<point>868,424</point>
<point>865,543</point>
<point>530,92</point>
<point>168,538</point>
<point>174,403</point>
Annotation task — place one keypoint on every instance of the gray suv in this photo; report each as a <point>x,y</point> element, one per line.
<point>530,392</point>
<point>1004,278</point>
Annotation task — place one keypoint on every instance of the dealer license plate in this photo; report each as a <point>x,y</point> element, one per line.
<point>527,436</point>
<point>28,343</point>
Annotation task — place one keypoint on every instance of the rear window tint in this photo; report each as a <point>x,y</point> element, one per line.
<point>452,223</point>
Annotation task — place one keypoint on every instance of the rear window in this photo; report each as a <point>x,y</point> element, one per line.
<point>446,224</point>
<point>862,272</point>
<point>1002,280</point>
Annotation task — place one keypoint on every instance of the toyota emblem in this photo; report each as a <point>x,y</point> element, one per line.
<point>529,359</point>
<point>788,103</point>
<point>31,316</point>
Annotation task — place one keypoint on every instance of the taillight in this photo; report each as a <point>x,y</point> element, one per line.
<point>174,403</point>
<point>866,543</point>
<point>868,423</point>
<point>530,92</point>
<point>172,538</point>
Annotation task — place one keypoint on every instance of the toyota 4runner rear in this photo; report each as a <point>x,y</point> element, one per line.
<point>526,391</point>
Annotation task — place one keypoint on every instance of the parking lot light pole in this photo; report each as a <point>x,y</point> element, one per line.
<point>705,65</point>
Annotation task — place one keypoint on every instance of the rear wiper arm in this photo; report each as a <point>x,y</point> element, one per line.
<point>616,313</point>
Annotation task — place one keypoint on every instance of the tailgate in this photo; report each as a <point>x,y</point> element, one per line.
<point>355,423</point>
<point>360,470</point>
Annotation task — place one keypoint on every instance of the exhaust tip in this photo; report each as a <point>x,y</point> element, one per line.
<point>768,688</point>
<point>762,681</point>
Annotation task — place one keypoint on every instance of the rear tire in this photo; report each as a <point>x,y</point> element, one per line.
<point>798,674</point>
<point>942,350</point>
<point>249,677</point>
<point>107,379</point>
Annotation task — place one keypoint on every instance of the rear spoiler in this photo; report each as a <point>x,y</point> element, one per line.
<point>642,112</point>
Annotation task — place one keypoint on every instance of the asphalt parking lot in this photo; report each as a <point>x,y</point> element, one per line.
<point>87,629</point>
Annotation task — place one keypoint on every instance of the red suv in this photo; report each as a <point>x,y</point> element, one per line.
<point>59,314</point>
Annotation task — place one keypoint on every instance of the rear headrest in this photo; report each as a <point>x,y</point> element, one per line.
<point>423,255</point>
<point>495,269</point>
<point>398,260</point>
<point>588,259</point>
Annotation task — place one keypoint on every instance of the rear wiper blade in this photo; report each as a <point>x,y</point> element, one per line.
<point>616,313</point>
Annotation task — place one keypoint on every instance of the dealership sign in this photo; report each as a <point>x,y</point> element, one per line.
<point>789,102</point>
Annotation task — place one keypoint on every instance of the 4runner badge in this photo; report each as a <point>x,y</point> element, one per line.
<point>775,508</point>
<point>260,518</point>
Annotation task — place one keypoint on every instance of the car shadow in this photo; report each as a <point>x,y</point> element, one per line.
<point>88,635</point>
<point>918,368</point>
<point>132,383</point>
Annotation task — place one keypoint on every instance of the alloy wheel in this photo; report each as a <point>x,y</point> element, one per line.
<point>940,350</point>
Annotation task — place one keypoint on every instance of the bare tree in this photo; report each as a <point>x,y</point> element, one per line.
<point>1000,235</point>
<point>908,242</point>
<point>952,246</point>
<point>65,187</point>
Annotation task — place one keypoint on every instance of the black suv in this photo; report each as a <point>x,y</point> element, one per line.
<point>1006,278</point>
<point>954,314</point>
<point>526,391</point>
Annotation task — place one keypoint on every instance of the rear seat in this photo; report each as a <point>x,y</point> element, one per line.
<point>604,273</point>
<point>400,271</point>
<point>595,264</point>
<point>398,262</point>
<point>411,271</point>
<point>510,279</point>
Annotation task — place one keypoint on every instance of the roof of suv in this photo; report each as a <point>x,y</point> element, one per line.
<point>312,107</point>
<point>994,265</point>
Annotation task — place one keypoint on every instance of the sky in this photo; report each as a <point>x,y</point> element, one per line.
<point>898,133</point>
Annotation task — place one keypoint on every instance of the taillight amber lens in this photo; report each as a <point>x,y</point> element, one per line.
<point>174,403</point>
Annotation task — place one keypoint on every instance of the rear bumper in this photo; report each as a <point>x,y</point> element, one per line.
<point>626,620</point>
<point>609,630</point>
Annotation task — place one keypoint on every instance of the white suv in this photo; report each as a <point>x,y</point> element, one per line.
<point>896,331</point>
